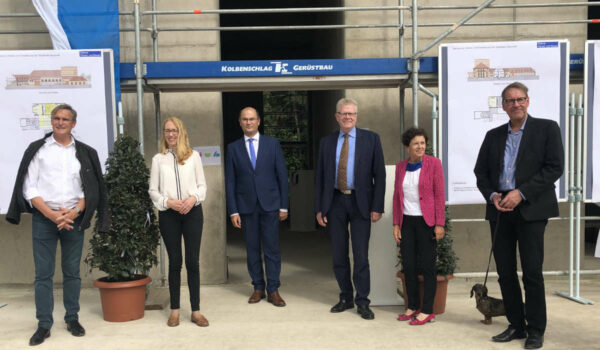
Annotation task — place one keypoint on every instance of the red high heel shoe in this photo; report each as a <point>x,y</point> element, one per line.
<point>416,322</point>
<point>405,317</point>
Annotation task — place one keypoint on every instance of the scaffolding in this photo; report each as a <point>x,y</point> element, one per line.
<point>411,79</point>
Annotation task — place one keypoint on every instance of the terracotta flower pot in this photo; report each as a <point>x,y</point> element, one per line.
<point>123,301</point>
<point>439,301</point>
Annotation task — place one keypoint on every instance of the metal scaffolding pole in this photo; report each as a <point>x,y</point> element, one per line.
<point>401,91</point>
<point>276,10</point>
<point>414,65</point>
<point>139,74</point>
<point>514,23</point>
<point>158,126</point>
<point>575,200</point>
<point>469,7</point>
<point>451,30</point>
<point>400,30</point>
<point>578,197</point>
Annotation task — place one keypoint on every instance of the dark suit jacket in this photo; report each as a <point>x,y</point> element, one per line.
<point>369,173</point>
<point>94,189</point>
<point>266,185</point>
<point>540,162</point>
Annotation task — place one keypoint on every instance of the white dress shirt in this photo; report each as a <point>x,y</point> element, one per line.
<point>410,188</point>
<point>53,175</point>
<point>170,180</point>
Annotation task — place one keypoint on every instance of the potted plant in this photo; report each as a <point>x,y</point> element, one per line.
<point>128,250</point>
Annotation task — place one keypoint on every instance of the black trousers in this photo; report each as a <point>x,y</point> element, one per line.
<point>344,211</point>
<point>418,249</point>
<point>172,226</point>
<point>530,236</point>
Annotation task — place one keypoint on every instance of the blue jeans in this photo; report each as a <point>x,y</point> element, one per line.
<point>45,238</point>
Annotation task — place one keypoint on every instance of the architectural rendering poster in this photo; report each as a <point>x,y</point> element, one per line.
<point>592,112</point>
<point>471,77</point>
<point>32,83</point>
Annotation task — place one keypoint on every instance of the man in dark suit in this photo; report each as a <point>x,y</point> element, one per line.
<point>516,169</point>
<point>349,189</point>
<point>257,199</point>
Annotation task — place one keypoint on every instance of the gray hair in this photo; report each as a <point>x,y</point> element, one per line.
<point>345,101</point>
<point>516,85</point>
<point>65,107</point>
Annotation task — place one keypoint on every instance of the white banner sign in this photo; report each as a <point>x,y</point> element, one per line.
<point>593,122</point>
<point>472,77</point>
<point>32,83</point>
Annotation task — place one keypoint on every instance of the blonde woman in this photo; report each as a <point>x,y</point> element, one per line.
<point>177,188</point>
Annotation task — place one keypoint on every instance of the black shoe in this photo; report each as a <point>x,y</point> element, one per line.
<point>342,306</point>
<point>509,334</point>
<point>39,336</point>
<point>534,341</point>
<point>75,328</point>
<point>365,312</point>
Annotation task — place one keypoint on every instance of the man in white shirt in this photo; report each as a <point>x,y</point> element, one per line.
<point>60,182</point>
<point>257,199</point>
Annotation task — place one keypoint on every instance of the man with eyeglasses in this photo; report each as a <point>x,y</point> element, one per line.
<point>349,190</point>
<point>60,182</point>
<point>516,169</point>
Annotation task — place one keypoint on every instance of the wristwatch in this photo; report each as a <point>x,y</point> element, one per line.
<point>77,210</point>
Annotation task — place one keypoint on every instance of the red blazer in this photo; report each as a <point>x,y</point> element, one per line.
<point>431,192</point>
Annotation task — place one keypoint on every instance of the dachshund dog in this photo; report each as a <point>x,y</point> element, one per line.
<point>488,306</point>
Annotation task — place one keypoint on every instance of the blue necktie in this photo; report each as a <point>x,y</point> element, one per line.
<point>252,153</point>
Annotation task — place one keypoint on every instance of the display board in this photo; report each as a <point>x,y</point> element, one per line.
<point>471,79</point>
<point>591,157</point>
<point>383,250</point>
<point>32,83</point>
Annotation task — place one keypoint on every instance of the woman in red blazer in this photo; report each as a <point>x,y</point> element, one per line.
<point>419,220</point>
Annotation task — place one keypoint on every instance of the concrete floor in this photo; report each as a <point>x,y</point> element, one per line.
<point>310,290</point>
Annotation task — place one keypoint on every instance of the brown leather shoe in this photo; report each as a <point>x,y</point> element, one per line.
<point>173,321</point>
<point>256,296</point>
<point>276,299</point>
<point>200,321</point>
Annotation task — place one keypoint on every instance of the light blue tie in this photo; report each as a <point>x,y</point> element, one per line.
<point>252,153</point>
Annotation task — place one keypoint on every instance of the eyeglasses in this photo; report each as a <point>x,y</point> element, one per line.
<point>171,131</point>
<point>510,101</point>
<point>347,114</point>
<point>64,120</point>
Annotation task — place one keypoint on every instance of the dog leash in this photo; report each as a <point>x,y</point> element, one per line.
<point>492,248</point>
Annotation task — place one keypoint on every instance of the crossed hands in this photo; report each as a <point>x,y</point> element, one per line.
<point>509,202</point>
<point>63,218</point>
<point>182,206</point>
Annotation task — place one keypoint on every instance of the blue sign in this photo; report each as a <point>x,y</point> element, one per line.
<point>282,68</point>
<point>94,53</point>
<point>546,44</point>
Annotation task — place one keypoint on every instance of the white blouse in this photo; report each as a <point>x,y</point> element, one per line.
<point>53,174</point>
<point>410,189</point>
<point>170,180</point>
